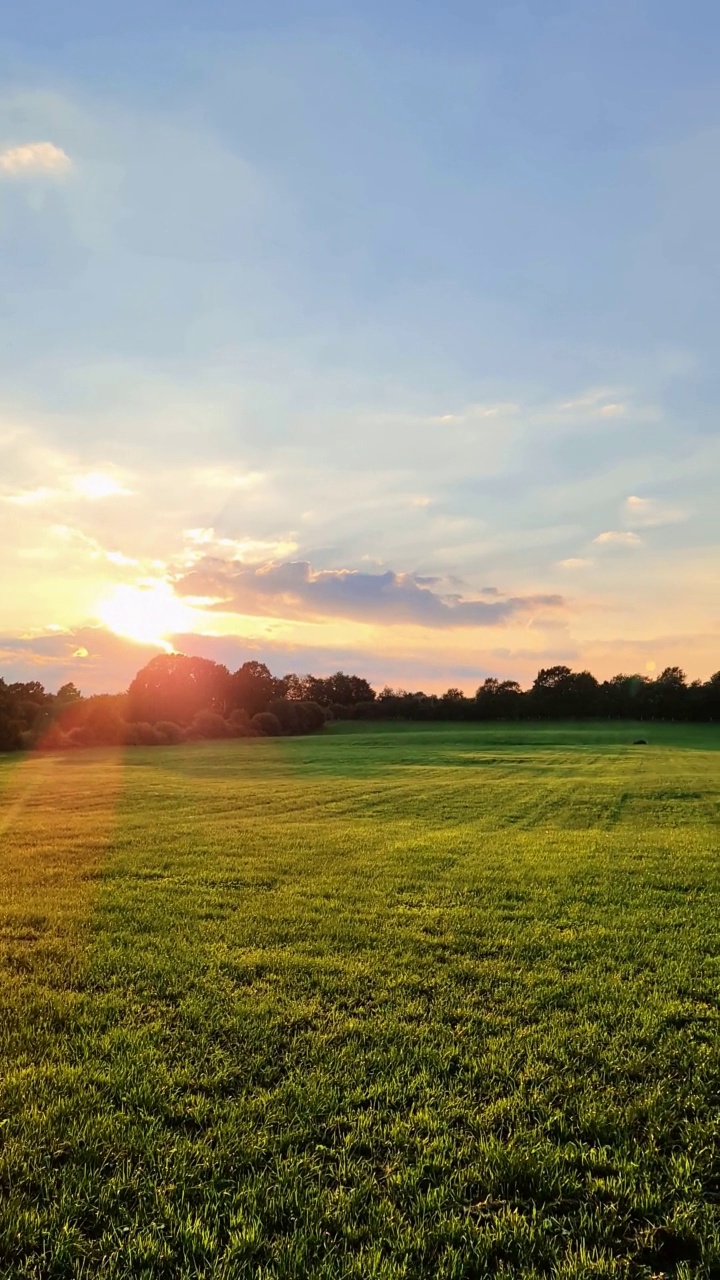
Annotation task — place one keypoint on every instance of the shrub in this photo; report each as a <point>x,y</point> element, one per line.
<point>81,736</point>
<point>208,724</point>
<point>102,717</point>
<point>239,724</point>
<point>10,736</point>
<point>53,739</point>
<point>287,713</point>
<point>311,716</point>
<point>298,716</point>
<point>142,734</point>
<point>268,724</point>
<point>339,712</point>
<point>170,732</point>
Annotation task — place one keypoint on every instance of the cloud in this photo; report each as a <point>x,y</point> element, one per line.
<point>478,412</point>
<point>94,658</point>
<point>598,402</point>
<point>90,486</point>
<point>35,158</point>
<point>576,562</point>
<point>205,542</point>
<point>648,513</point>
<point>618,538</point>
<point>98,484</point>
<point>293,589</point>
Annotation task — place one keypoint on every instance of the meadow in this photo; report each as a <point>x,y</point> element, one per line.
<point>390,1001</point>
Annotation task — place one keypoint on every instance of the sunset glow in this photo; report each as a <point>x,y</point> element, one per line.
<point>148,614</point>
<point>341,352</point>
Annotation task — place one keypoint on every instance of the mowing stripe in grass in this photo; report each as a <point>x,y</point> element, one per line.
<point>342,1019</point>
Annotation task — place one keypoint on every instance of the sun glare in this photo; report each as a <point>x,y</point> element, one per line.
<point>97,484</point>
<point>148,614</point>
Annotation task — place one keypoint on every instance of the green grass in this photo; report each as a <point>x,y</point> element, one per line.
<point>386,1002</point>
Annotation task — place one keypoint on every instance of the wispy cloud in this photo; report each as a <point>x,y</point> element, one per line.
<point>31,158</point>
<point>648,513</point>
<point>598,402</point>
<point>618,538</point>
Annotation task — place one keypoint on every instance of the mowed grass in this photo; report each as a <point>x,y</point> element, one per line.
<point>391,1001</point>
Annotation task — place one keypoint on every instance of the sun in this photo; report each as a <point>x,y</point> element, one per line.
<point>147,613</point>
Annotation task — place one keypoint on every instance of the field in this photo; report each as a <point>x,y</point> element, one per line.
<point>385,1002</point>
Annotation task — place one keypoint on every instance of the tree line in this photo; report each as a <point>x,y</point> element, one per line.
<point>175,698</point>
<point>558,693</point>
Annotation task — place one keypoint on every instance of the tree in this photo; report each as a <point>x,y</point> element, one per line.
<point>558,691</point>
<point>253,687</point>
<point>68,693</point>
<point>498,699</point>
<point>711,698</point>
<point>671,693</point>
<point>341,689</point>
<point>175,687</point>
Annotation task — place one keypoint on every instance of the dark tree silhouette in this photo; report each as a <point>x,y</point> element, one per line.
<point>252,687</point>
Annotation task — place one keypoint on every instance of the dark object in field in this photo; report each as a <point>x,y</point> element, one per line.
<point>640,742</point>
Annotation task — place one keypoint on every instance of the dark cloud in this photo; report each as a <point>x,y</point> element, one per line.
<point>295,590</point>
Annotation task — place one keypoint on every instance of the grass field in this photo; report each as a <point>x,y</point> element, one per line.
<point>385,1002</point>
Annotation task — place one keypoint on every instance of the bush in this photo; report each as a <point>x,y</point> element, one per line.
<point>312,717</point>
<point>53,739</point>
<point>81,736</point>
<point>298,717</point>
<point>101,716</point>
<point>208,724</point>
<point>339,712</point>
<point>10,736</point>
<point>287,713</point>
<point>170,732</point>
<point>268,724</point>
<point>239,724</point>
<point>142,734</point>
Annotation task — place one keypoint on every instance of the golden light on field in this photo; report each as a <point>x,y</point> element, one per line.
<point>148,613</point>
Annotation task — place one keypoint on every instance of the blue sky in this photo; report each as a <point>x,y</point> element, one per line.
<point>324,326</point>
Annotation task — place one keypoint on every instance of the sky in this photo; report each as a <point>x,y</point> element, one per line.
<point>379,336</point>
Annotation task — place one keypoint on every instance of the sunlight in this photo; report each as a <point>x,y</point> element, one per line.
<point>97,484</point>
<point>148,613</point>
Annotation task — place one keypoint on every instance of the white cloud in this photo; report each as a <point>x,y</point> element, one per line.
<point>246,550</point>
<point>90,486</point>
<point>34,157</point>
<point>618,538</point>
<point>29,497</point>
<point>575,562</point>
<point>98,484</point>
<point>477,412</point>
<point>596,401</point>
<point>226,478</point>
<point>646,513</point>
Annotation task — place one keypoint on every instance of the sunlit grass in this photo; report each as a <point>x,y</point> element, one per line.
<point>386,1002</point>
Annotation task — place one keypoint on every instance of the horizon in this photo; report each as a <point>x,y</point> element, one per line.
<point>347,338</point>
<point>380,686</point>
